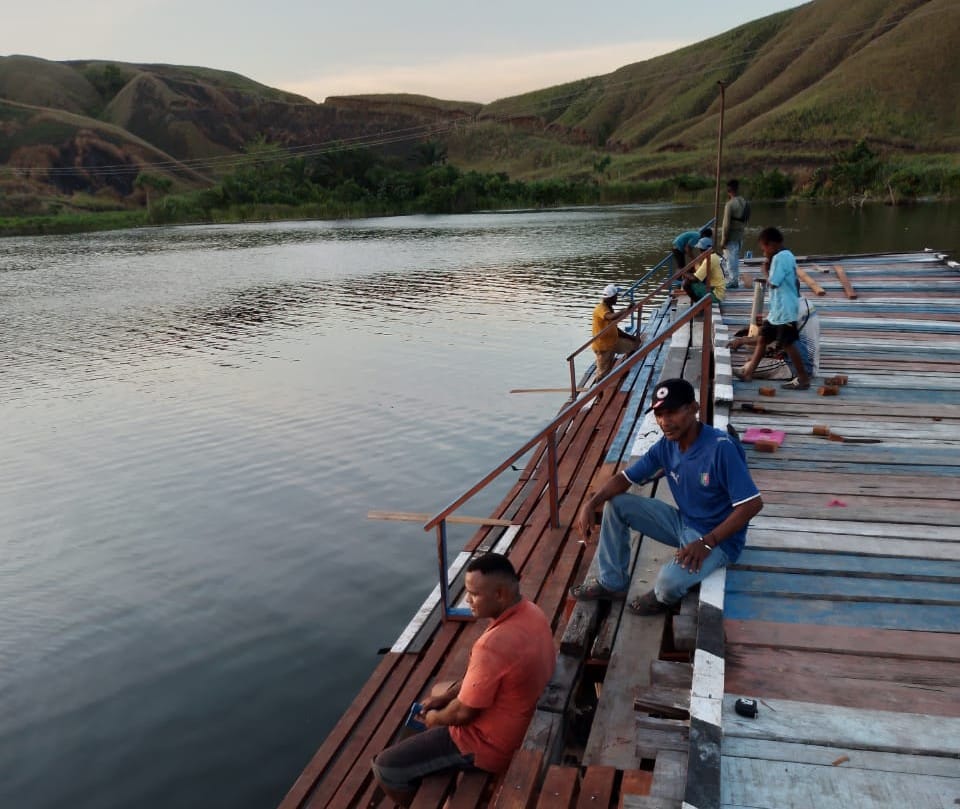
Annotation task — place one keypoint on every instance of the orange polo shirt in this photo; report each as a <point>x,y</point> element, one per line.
<point>510,664</point>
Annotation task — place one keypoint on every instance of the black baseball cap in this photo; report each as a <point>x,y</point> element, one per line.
<point>672,394</point>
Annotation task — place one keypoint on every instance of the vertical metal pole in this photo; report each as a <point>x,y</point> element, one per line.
<point>706,356</point>
<point>554,483</point>
<point>442,560</point>
<point>716,199</point>
<point>573,380</point>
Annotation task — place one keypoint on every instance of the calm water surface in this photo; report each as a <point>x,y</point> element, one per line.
<point>196,421</point>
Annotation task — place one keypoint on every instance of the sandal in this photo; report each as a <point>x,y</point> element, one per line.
<point>794,384</point>
<point>592,590</point>
<point>647,604</point>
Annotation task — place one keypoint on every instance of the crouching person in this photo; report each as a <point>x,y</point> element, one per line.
<point>479,722</point>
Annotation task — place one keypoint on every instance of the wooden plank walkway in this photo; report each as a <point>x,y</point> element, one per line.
<point>842,616</point>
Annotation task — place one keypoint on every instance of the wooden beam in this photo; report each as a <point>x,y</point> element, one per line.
<point>411,516</point>
<point>845,282</point>
<point>804,276</point>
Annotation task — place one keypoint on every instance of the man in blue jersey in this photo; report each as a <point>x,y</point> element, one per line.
<point>716,498</point>
<point>781,323</point>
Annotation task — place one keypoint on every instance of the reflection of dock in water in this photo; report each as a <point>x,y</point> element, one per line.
<point>841,618</point>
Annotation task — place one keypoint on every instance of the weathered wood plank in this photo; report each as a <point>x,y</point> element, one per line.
<point>879,546</point>
<point>882,643</point>
<point>876,614</point>
<point>521,781</point>
<point>843,587</point>
<point>833,726</point>
<point>559,788</point>
<point>596,787</point>
<point>847,564</point>
<point>669,775</point>
<point>908,685</point>
<point>756,783</point>
<point>826,756</point>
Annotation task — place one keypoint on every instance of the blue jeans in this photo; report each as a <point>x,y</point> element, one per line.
<point>656,520</point>
<point>731,258</point>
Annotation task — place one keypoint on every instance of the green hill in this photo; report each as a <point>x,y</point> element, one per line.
<point>803,87</point>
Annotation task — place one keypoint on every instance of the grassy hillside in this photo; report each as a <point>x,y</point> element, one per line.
<point>825,84</point>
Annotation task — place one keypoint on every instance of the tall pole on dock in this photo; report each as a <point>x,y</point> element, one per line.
<point>716,199</point>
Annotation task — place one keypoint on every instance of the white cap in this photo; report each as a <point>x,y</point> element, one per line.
<point>611,291</point>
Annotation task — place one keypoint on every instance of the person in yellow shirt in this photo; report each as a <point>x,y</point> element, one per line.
<point>613,341</point>
<point>694,282</point>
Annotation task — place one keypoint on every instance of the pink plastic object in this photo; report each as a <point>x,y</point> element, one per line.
<point>763,434</point>
<point>836,503</point>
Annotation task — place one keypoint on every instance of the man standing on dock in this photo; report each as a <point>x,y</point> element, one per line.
<point>716,498</point>
<point>483,722</point>
<point>735,215</point>
<point>613,341</point>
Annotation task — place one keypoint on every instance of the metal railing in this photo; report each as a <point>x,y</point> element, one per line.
<point>549,435</point>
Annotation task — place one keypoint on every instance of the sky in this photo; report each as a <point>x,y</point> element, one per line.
<point>452,49</point>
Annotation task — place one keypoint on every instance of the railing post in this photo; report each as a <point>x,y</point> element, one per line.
<point>573,378</point>
<point>448,611</point>
<point>706,354</point>
<point>554,483</point>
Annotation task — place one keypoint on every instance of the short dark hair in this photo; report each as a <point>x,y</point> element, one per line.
<point>733,185</point>
<point>706,232</point>
<point>493,564</point>
<point>770,236</point>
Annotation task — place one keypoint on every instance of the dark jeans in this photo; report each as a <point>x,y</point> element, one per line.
<point>401,766</point>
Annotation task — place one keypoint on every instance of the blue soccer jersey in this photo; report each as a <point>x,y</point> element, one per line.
<point>707,481</point>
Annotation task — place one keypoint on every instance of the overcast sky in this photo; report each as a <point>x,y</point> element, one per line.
<point>454,49</point>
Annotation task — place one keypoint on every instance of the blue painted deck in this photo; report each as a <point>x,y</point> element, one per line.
<point>848,629</point>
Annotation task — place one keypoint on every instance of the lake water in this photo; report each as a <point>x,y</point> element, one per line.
<point>196,422</point>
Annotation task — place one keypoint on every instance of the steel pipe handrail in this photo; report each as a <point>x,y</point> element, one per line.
<point>549,434</point>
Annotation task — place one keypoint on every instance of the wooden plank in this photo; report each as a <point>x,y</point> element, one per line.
<point>653,736</point>
<point>864,529</point>
<point>669,775</point>
<point>849,564</point>
<point>559,788</point>
<point>786,785</point>
<point>596,787</point>
<point>611,739</point>
<point>433,791</point>
<point>826,756</point>
<point>519,787</point>
<point>876,614</point>
<point>635,782</point>
<point>908,685</point>
<point>879,546</point>
<point>650,802</point>
<point>422,517</point>
<point>833,726</point>
<point>844,281</point>
<point>834,587</point>
<point>470,789</point>
<point>671,674</point>
<point>673,703</point>
<point>815,288</point>
<point>887,643</point>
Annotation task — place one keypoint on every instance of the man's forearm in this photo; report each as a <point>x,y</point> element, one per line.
<point>454,714</point>
<point>735,521</point>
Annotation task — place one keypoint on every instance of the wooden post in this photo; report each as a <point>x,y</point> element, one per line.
<point>706,355</point>
<point>804,276</point>
<point>845,282</point>
<point>554,484</point>
<point>716,199</point>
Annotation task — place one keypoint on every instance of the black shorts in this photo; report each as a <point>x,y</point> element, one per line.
<point>786,334</point>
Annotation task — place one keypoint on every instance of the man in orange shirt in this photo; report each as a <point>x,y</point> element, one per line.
<point>482,723</point>
<point>613,341</point>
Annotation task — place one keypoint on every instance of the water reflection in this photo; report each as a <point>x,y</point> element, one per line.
<point>197,420</point>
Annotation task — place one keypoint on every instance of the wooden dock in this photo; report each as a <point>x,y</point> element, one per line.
<point>842,616</point>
